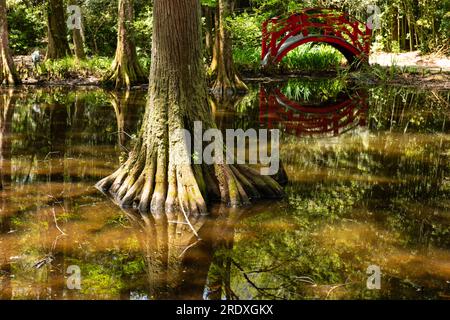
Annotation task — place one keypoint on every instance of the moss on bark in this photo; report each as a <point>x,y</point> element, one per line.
<point>58,46</point>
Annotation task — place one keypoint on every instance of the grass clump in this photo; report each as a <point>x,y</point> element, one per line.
<point>71,67</point>
<point>307,57</point>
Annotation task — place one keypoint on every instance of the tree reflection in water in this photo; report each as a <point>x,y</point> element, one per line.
<point>376,194</point>
<point>180,257</point>
<point>6,114</point>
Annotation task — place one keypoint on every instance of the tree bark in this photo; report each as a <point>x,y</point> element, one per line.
<point>78,44</point>
<point>125,70</point>
<point>58,46</point>
<point>227,80</point>
<point>157,178</point>
<point>215,46</point>
<point>209,30</point>
<point>8,74</point>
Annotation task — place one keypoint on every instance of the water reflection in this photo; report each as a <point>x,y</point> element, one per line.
<point>6,113</point>
<point>298,111</point>
<point>376,193</point>
<point>123,104</point>
<point>179,256</point>
<point>333,118</point>
<point>54,131</point>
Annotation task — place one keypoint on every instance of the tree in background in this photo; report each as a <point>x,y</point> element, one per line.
<point>58,46</point>
<point>208,14</point>
<point>100,25</point>
<point>125,70</point>
<point>8,72</point>
<point>227,80</point>
<point>158,176</point>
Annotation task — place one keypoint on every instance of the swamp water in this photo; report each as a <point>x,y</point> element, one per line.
<point>369,185</point>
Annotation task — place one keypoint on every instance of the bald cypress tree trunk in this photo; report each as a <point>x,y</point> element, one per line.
<point>8,74</point>
<point>208,13</point>
<point>125,70</point>
<point>78,44</point>
<point>227,79</point>
<point>156,178</point>
<point>58,46</point>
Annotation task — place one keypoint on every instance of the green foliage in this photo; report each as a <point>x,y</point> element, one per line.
<point>444,28</point>
<point>409,25</point>
<point>313,91</point>
<point>209,3</point>
<point>405,25</point>
<point>312,57</point>
<point>70,67</point>
<point>304,58</point>
<point>100,22</point>
<point>100,25</point>
<point>248,59</point>
<point>143,28</point>
<point>26,30</point>
<point>246,30</point>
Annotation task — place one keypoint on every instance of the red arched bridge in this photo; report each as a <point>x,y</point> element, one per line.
<point>338,29</point>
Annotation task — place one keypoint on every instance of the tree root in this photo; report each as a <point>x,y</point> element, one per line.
<point>8,73</point>
<point>224,87</point>
<point>150,182</point>
<point>124,75</point>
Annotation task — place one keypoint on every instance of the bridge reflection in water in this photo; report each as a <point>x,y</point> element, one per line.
<point>345,112</point>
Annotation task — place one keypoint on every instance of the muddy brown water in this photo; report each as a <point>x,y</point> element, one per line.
<point>369,185</point>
